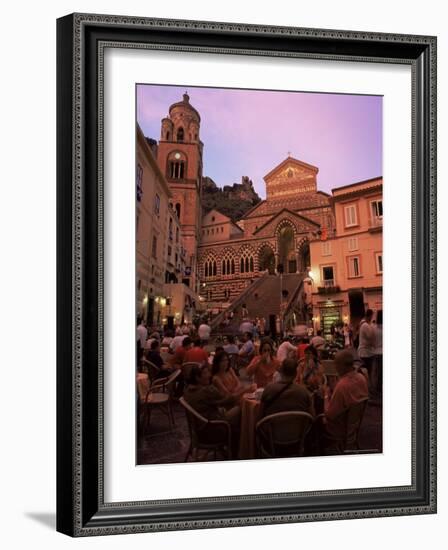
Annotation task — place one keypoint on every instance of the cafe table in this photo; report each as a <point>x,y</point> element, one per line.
<point>250,415</point>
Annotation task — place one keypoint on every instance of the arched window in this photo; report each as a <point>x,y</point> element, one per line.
<point>228,264</point>
<point>178,209</point>
<point>180,134</point>
<point>167,136</point>
<point>177,162</point>
<point>210,269</point>
<point>177,170</point>
<point>246,262</point>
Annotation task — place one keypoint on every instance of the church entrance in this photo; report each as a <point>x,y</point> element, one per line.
<point>266,260</point>
<point>286,253</point>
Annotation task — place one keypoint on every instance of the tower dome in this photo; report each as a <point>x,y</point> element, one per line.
<point>185,121</point>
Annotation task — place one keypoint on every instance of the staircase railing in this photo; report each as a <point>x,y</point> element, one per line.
<point>293,298</point>
<point>239,301</point>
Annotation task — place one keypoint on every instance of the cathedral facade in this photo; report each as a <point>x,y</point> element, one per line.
<point>273,236</point>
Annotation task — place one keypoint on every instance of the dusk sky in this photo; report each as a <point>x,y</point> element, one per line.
<point>249,132</point>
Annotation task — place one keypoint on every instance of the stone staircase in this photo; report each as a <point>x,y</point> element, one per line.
<point>262,299</point>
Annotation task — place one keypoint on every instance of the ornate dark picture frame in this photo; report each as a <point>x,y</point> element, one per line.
<point>81,509</point>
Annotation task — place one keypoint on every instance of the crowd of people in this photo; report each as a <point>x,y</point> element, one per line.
<point>286,375</point>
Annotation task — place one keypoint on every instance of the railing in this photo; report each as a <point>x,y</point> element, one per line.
<point>239,301</point>
<point>376,221</point>
<point>327,289</point>
<point>289,307</point>
<point>328,283</point>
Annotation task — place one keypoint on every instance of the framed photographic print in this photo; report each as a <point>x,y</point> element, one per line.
<point>246,274</point>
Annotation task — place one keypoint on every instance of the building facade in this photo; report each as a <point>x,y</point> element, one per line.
<point>152,209</point>
<point>162,296</point>
<point>347,267</point>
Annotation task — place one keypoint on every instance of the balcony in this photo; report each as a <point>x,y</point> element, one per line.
<point>329,287</point>
<point>375,224</point>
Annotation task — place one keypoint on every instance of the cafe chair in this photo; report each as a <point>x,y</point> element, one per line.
<point>350,442</point>
<point>150,369</point>
<point>160,396</point>
<point>206,435</point>
<point>282,434</point>
<point>186,368</point>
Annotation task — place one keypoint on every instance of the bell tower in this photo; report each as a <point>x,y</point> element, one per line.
<point>180,159</point>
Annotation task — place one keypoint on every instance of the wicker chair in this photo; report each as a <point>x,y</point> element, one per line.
<point>160,395</point>
<point>353,417</point>
<point>151,369</point>
<point>282,434</point>
<point>207,435</point>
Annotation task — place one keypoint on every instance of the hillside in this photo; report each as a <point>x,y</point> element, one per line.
<point>232,200</point>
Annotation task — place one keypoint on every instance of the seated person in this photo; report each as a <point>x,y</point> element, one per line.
<point>310,372</point>
<point>197,353</point>
<point>286,395</point>
<point>179,355</point>
<point>167,338</point>
<point>247,350</point>
<point>155,358</point>
<point>318,341</point>
<point>231,347</point>
<point>303,344</point>
<point>208,401</point>
<point>286,350</point>
<point>176,342</point>
<point>350,389</point>
<point>225,379</point>
<point>153,336</point>
<point>263,366</point>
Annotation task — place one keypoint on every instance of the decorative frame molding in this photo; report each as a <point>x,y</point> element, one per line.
<point>81,39</point>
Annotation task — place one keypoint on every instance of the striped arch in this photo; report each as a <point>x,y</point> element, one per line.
<point>303,250</point>
<point>285,222</point>
<point>266,253</point>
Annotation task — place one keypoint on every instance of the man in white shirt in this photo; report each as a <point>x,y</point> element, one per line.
<point>367,342</point>
<point>204,332</point>
<point>177,342</point>
<point>142,335</point>
<point>286,350</point>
